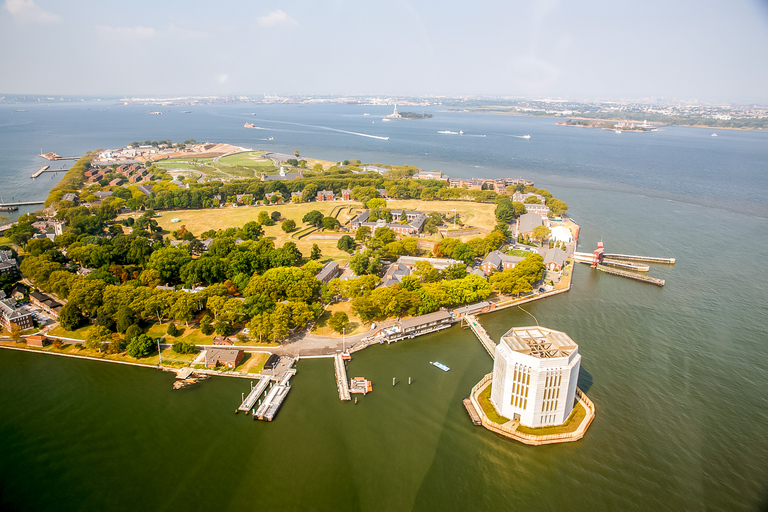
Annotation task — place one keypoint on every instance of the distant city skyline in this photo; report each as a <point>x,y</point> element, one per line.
<point>592,50</point>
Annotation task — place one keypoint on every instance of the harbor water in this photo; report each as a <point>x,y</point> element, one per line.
<point>678,374</point>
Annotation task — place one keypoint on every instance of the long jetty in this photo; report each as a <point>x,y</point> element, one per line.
<point>482,335</point>
<point>341,377</point>
<point>630,275</point>
<point>255,393</point>
<point>21,203</point>
<point>651,259</point>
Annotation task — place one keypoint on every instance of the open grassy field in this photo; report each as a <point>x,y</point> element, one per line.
<point>253,362</point>
<point>246,159</point>
<point>356,326</point>
<point>198,221</point>
<point>478,215</point>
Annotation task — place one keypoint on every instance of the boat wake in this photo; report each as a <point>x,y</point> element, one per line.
<point>326,128</point>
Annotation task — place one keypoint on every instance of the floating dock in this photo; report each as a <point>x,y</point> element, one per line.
<point>360,385</point>
<point>255,393</point>
<point>472,412</point>
<point>630,275</point>
<point>271,404</point>
<point>341,377</point>
<point>650,259</point>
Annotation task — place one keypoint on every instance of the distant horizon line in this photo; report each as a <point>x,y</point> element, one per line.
<point>4,97</point>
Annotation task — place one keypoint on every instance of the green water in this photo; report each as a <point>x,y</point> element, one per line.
<point>678,375</point>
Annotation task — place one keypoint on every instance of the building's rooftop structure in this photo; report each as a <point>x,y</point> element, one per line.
<point>539,342</point>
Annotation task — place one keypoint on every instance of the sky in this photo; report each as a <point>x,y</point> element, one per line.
<point>706,50</point>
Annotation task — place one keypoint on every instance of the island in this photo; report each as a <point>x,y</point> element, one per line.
<point>211,259</point>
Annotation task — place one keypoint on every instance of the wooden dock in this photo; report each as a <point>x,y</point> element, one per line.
<point>341,377</point>
<point>630,275</point>
<point>482,335</point>
<point>472,412</point>
<point>255,393</point>
<point>650,259</point>
<point>45,169</point>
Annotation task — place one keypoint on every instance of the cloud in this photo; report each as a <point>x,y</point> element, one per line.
<point>125,32</point>
<point>278,17</point>
<point>26,11</point>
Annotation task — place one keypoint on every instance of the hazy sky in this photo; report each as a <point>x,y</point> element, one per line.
<point>576,49</point>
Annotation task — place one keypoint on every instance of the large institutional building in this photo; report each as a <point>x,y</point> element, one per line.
<point>534,376</point>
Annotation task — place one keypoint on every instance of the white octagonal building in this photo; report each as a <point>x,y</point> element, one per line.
<point>534,376</point>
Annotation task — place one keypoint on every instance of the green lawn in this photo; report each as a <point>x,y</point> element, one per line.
<point>570,425</point>
<point>188,335</point>
<point>519,252</point>
<point>246,159</point>
<point>488,408</point>
<point>78,334</point>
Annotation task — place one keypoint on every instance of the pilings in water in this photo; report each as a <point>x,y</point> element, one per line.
<point>341,377</point>
<point>651,259</point>
<point>627,265</point>
<point>630,275</point>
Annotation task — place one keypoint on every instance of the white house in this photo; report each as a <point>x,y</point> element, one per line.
<point>534,376</point>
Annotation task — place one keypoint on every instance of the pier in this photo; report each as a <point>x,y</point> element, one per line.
<point>650,259</point>
<point>271,404</point>
<point>637,267</point>
<point>482,335</point>
<point>255,393</point>
<point>341,377</point>
<point>54,157</point>
<point>46,168</point>
<point>630,275</point>
<point>20,203</point>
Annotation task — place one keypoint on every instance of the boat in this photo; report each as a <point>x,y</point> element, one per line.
<point>526,136</point>
<point>461,132</point>
<point>448,132</point>
<point>271,138</point>
<point>185,112</point>
<point>439,365</point>
<point>713,135</point>
<point>366,114</point>
<point>385,119</point>
<point>249,125</point>
<point>155,113</point>
<point>617,130</point>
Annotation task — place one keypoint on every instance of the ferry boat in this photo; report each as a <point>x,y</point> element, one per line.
<point>249,125</point>
<point>713,135</point>
<point>448,132</point>
<point>271,138</point>
<point>526,136</point>
<point>439,365</point>
<point>155,113</point>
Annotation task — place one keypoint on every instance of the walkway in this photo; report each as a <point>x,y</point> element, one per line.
<point>341,377</point>
<point>255,393</point>
<point>482,335</point>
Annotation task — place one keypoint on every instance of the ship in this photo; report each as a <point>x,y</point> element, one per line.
<point>713,135</point>
<point>155,113</point>
<point>249,125</point>
<point>271,138</point>
<point>439,365</point>
<point>526,136</point>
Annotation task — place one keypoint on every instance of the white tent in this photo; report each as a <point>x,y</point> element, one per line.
<point>561,234</point>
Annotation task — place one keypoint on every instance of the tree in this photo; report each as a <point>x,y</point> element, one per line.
<point>315,254</point>
<point>15,333</point>
<point>275,216</point>
<point>132,331</point>
<point>464,252</point>
<point>532,200</point>
<point>338,321</point>
<point>331,223</point>
<point>141,346</point>
<point>540,233</point>
<point>359,264</point>
<point>363,234</point>
<point>455,271</point>
<point>125,319</point>
<point>346,243</point>
<point>97,336</point>
<point>172,331</point>
<point>314,218</point>
<point>557,207</point>
<point>426,272</point>
<point>308,194</point>
<point>168,261</point>
<point>288,225</point>
<point>206,326</point>
<point>70,317</point>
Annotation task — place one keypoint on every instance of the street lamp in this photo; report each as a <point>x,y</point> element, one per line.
<point>343,333</point>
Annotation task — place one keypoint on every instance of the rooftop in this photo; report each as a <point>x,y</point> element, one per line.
<point>539,342</point>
